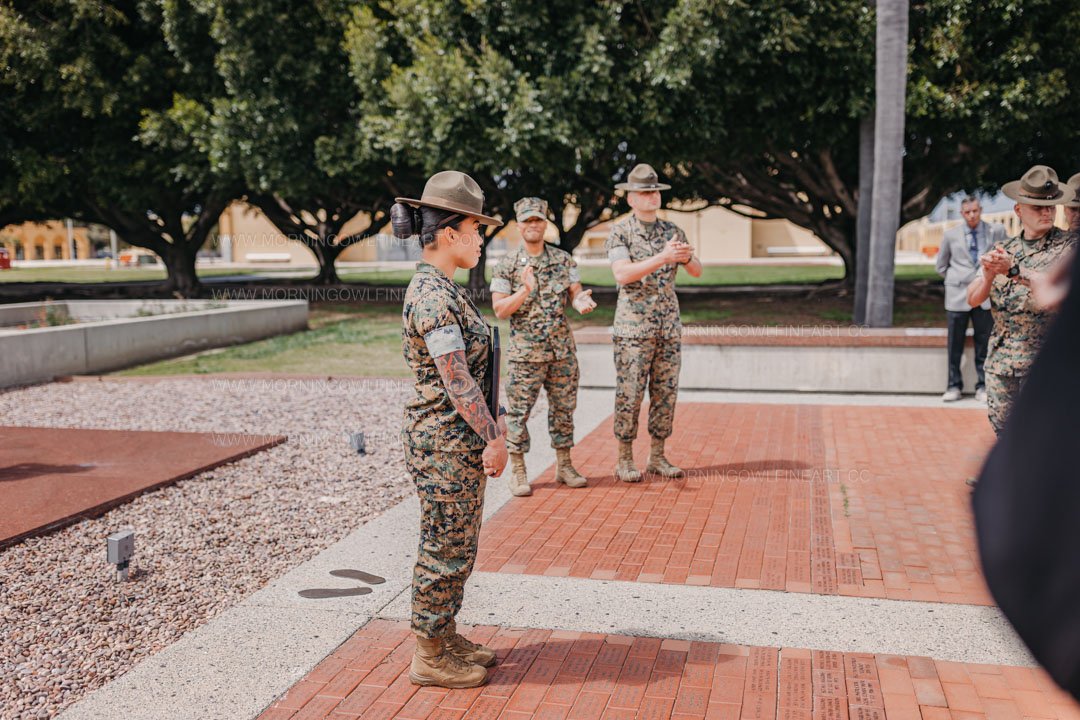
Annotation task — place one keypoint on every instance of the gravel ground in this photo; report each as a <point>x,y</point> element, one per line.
<point>202,545</point>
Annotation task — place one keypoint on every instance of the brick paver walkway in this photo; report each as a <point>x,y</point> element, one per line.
<point>859,501</point>
<point>581,676</point>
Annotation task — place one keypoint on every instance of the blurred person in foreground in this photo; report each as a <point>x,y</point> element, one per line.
<point>1027,500</point>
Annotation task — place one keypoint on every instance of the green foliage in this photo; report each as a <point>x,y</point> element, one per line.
<point>95,125</point>
<point>148,115</point>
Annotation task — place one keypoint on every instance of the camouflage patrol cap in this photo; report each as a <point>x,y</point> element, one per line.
<point>530,207</point>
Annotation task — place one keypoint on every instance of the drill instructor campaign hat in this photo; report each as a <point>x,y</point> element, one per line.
<point>1074,185</point>
<point>1038,186</point>
<point>642,179</point>
<point>455,192</point>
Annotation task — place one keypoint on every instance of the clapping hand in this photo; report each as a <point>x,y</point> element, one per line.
<point>678,252</point>
<point>583,302</point>
<point>996,262</point>
<point>528,278</point>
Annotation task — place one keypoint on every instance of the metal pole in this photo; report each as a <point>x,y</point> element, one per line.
<point>70,241</point>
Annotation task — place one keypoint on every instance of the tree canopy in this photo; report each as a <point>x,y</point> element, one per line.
<point>150,115</point>
<point>86,134</point>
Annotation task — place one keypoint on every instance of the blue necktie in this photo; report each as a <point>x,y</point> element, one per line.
<point>973,246</point>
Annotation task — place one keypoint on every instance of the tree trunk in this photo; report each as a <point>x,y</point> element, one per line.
<point>862,231</point>
<point>891,79</point>
<point>327,256</point>
<point>179,259</point>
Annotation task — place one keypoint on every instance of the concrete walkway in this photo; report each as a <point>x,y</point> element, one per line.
<point>578,647</point>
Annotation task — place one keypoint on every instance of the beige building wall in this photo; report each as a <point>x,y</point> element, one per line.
<point>780,238</point>
<point>45,241</point>
<point>718,234</point>
<point>251,237</point>
<point>925,237</point>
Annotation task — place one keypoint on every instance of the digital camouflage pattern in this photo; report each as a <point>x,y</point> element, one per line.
<point>451,489</point>
<point>648,307</point>
<point>559,378</point>
<point>1001,392</point>
<point>435,305</point>
<point>646,362</point>
<point>539,330</point>
<point>647,331</point>
<point>443,454</point>
<point>1019,326</point>
<point>530,207</point>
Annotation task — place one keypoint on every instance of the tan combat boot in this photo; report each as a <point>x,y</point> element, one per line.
<point>658,463</point>
<point>434,665</point>
<point>519,478</point>
<point>466,650</point>
<point>565,471</point>
<point>625,469</point>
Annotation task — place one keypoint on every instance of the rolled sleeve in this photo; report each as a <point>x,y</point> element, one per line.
<point>500,285</point>
<point>575,276</point>
<point>444,340</point>
<point>618,252</point>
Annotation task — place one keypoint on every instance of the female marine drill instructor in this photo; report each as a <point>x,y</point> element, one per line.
<point>452,443</point>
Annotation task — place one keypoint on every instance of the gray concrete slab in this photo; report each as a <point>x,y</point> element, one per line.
<point>963,633</point>
<point>815,398</point>
<point>229,668</point>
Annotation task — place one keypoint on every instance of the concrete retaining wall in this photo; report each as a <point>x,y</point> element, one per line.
<point>808,367</point>
<point>92,347</point>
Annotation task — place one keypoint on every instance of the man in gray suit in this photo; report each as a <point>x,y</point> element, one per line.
<point>957,262</point>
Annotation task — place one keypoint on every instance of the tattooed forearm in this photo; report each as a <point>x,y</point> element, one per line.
<point>466,395</point>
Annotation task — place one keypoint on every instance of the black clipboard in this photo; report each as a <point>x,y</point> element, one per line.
<point>494,359</point>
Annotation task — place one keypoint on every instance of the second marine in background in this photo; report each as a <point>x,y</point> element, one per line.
<point>531,286</point>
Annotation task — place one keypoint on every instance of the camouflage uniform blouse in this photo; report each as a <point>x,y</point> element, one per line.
<point>438,318</point>
<point>1019,326</point>
<point>648,307</point>
<point>539,331</point>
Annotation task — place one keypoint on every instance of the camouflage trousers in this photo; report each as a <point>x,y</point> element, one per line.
<point>1001,392</point>
<point>451,490</point>
<point>642,363</point>
<point>559,378</point>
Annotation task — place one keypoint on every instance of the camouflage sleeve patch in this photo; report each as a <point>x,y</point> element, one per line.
<point>617,245</point>
<point>500,285</point>
<point>444,340</point>
<point>434,309</point>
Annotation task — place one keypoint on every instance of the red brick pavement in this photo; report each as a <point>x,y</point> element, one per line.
<point>859,501</point>
<point>581,676</point>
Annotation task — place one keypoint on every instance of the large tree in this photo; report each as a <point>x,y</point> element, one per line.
<point>530,98</point>
<point>773,95</point>
<point>286,117</point>
<point>83,132</point>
